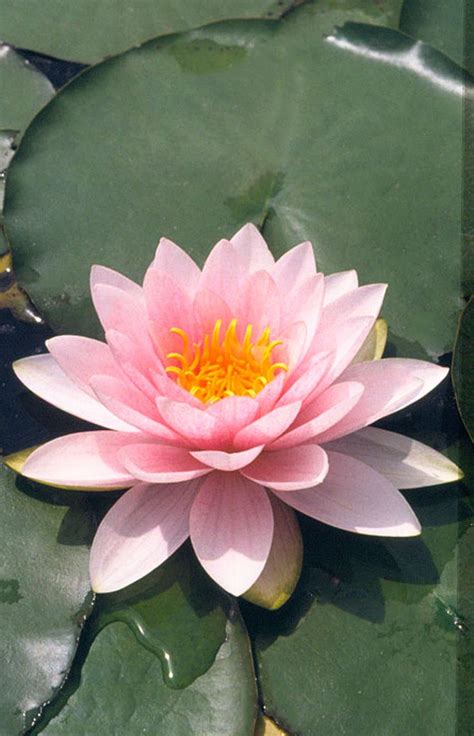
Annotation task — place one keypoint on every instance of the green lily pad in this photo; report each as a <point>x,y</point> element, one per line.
<point>24,90</point>
<point>89,31</point>
<point>463,367</point>
<point>44,595</point>
<point>325,143</point>
<point>440,24</point>
<point>122,691</point>
<point>175,612</point>
<point>377,638</point>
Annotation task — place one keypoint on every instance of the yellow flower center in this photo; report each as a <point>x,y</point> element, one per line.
<point>225,366</point>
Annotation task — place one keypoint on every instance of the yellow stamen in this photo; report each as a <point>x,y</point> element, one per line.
<point>215,368</point>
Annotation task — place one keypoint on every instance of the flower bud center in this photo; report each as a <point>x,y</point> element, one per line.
<point>217,366</point>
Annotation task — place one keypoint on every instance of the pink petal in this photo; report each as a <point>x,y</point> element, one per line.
<point>267,428</point>
<point>174,261</point>
<point>227,461</point>
<point>269,395</point>
<point>338,284</point>
<point>252,250</point>
<point>259,305</point>
<point>232,414</point>
<point>197,427</point>
<point>356,498</point>
<point>161,463</point>
<point>402,460</point>
<point>342,343</point>
<point>304,305</point>
<point>208,308</point>
<point>133,407</point>
<point>231,526</point>
<point>366,301</point>
<point>42,375</point>
<point>84,459</point>
<point>294,339</point>
<point>132,362</point>
<point>325,411</point>
<point>168,305</point>
<point>294,267</point>
<point>289,470</point>
<point>168,388</point>
<point>103,275</point>
<point>81,358</point>
<point>339,330</point>
<point>221,273</point>
<point>301,388</point>
<point>121,311</point>
<point>389,385</point>
<point>144,527</point>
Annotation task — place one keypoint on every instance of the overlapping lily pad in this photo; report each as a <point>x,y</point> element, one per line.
<point>133,699</point>
<point>24,90</point>
<point>44,595</point>
<point>463,367</point>
<point>329,142</point>
<point>440,24</point>
<point>89,31</point>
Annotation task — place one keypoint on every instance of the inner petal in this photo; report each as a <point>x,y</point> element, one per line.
<point>224,364</point>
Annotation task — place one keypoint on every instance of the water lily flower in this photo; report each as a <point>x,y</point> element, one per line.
<point>228,397</point>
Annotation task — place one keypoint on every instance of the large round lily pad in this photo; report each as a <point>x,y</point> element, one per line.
<point>44,595</point>
<point>339,139</point>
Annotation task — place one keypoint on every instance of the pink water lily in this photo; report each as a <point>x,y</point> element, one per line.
<point>224,393</point>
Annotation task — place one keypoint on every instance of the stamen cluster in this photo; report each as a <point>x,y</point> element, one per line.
<point>217,367</point>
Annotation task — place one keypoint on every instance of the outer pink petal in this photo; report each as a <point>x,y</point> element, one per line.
<point>366,301</point>
<point>103,275</point>
<point>389,385</point>
<point>356,498</point>
<point>294,267</point>
<point>267,428</point>
<point>84,459</point>
<point>252,250</point>
<point>131,406</point>
<point>168,305</point>
<point>197,427</point>
<point>259,305</point>
<point>338,284</point>
<point>402,460</point>
<point>323,412</point>
<point>81,358</point>
<point>144,527</point>
<point>174,261</point>
<point>227,461</point>
<point>231,526</point>
<point>161,463</point>
<point>289,470</point>
<point>42,375</point>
